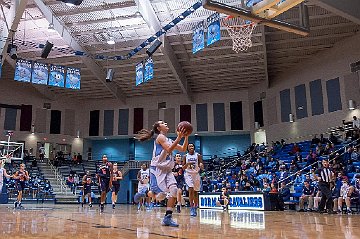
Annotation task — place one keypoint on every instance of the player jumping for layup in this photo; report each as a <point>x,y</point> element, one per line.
<point>192,162</point>
<point>105,183</point>
<point>162,179</point>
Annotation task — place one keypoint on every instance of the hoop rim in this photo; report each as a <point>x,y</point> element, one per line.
<point>238,26</point>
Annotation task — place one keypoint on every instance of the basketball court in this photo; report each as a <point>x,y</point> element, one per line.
<point>255,40</point>
<point>64,221</point>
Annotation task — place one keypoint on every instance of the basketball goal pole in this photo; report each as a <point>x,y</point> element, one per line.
<point>303,30</point>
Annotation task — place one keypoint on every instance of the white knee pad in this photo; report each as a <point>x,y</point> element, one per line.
<point>173,191</point>
<point>160,196</point>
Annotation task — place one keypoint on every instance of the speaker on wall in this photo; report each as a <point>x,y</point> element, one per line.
<point>110,75</point>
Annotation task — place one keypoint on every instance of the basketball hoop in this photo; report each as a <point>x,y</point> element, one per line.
<point>240,32</point>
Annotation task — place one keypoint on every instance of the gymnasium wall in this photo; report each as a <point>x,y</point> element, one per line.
<point>320,86</point>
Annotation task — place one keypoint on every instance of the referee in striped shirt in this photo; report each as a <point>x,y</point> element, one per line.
<point>324,176</point>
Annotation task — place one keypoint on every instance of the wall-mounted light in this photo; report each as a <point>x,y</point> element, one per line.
<point>32,129</point>
<point>291,118</point>
<point>257,125</point>
<point>111,40</point>
<point>78,134</point>
<point>351,105</point>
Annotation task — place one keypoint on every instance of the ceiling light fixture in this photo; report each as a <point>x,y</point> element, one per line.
<point>71,3</point>
<point>51,28</point>
<point>111,41</point>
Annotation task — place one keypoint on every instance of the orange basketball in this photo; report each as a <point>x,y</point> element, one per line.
<point>187,126</point>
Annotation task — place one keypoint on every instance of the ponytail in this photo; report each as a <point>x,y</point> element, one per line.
<point>146,134</point>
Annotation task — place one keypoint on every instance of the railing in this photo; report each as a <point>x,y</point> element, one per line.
<point>58,177</point>
<point>132,165</point>
<point>311,165</point>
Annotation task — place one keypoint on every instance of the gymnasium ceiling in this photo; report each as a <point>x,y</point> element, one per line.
<point>177,70</point>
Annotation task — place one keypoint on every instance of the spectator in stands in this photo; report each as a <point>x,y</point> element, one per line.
<point>224,198</point>
<point>237,187</point>
<point>79,158</point>
<point>322,139</point>
<point>283,174</point>
<point>310,158</point>
<point>254,182</point>
<point>294,167</point>
<point>319,149</point>
<point>333,139</point>
<point>315,141</point>
<point>346,158</point>
<point>356,123</point>
<point>328,149</point>
<point>295,149</point>
<point>307,197</point>
<point>338,180</point>
<point>299,179</point>
<point>70,183</point>
<point>282,141</point>
<point>42,153</point>
<point>248,187</point>
<point>276,200</point>
<point>266,188</point>
<point>346,192</point>
<point>355,155</point>
<point>284,192</point>
<point>298,157</point>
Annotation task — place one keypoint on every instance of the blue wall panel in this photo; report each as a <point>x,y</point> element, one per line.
<point>300,102</point>
<point>333,93</point>
<point>115,149</point>
<point>316,95</point>
<point>224,145</point>
<point>285,103</point>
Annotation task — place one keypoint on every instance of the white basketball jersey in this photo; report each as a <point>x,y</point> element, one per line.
<point>145,175</point>
<point>192,158</point>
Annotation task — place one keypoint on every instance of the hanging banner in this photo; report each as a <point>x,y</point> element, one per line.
<point>198,38</point>
<point>23,70</point>
<point>213,29</point>
<point>73,78</point>
<point>139,73</point>
<point>57,76</point>
<point>149,69</point>
<point>40,73</point>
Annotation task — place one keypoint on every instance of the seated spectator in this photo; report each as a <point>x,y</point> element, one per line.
<point>295,149</point>
<point>283,174</point>
<point>346,192</point>
<point>346,158</point>
<point>276,200</point>
<point>224,198</point>
<point>333,139</point>
<point>310,158</point>
<point>307,197</point>
<point>299,179</point>
<point>266,188</point>
<point>319,149</point>
<point>248,187</point>
<point>322,139</point>
<point>79,158</point>
<point>317,198</point>
<point>328,149</point>
<point>237,187</point>
<point>298,157</point>
<point>284,192</point>
<point>315,141</point>
<point>355,155</point>
<point>335,195</point>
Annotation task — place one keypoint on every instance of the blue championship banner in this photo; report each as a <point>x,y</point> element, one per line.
<point>213,29</point>
<point>40,73</point>
<point>23,70</point>
<point>237,201</point>
<point>149,69</point>
<point>198,38</point>
<point>57,76</point>
<point>73,78</point>
<point>139,73</point>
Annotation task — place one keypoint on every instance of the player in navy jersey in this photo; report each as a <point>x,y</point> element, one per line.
<point>116,177</point>
<point>105,182</point>
<point>87,182</point>
<point>180,181</point>
<point>20,176</point>
<point>162,180</point>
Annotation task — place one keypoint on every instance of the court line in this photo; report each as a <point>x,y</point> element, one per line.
<point>116,227</point>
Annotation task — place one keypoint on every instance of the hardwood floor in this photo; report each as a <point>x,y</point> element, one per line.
<point>72,221</point>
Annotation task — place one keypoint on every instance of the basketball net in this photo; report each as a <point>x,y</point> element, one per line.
<point>240,32</point>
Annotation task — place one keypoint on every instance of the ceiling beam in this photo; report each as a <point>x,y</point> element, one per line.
<point>149,15</point>
<point>16,11</point>
<point>349,9</point>
<point>97,70</point>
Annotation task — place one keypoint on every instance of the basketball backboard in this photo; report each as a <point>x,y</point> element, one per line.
<point>263,12</point>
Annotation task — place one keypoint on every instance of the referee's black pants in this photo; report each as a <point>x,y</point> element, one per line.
<point>326,197</point>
